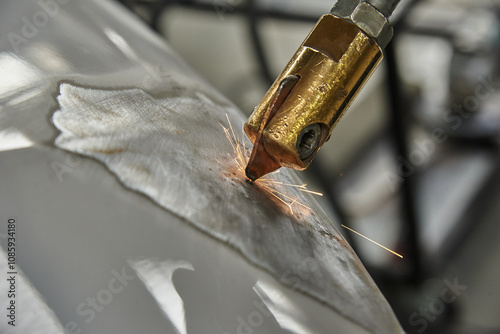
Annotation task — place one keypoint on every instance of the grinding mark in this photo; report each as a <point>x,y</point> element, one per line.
<point>276,188</point>
<point>185,179</point>
<point>107,151</point>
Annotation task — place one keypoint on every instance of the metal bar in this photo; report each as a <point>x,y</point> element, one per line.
<point>386,7</point>
<point>399,129</point>
<point>258,46</point>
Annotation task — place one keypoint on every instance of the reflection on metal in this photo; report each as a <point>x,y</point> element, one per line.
<point>173,149</point>
<point>287,315</point>
<point>17,76</point>
<point>32,314</point>
<point>157,277</point>
<point>122,45</point>
<point>13,140</point>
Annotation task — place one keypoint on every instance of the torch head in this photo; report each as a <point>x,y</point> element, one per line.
<point>298,113</point>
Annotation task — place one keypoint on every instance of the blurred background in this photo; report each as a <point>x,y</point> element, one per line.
<point>414,163</point>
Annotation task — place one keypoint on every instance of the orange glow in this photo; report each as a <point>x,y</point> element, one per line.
<point>240,156</point>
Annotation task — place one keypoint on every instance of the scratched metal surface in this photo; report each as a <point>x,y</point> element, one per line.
<point>173,149</point>
<point>127,102</point>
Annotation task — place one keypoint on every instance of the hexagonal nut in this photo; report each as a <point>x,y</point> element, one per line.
<point>368,18</point>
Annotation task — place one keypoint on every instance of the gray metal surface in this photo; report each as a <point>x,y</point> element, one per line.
<point>173,150</point>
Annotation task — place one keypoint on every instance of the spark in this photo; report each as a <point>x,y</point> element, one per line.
<point>301,187</point>
<point>240,157</point>
<point>283,197</point>
<point>376,243</point>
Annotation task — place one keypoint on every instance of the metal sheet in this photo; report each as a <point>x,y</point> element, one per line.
<point>174,150</point>
<point>134,105</point>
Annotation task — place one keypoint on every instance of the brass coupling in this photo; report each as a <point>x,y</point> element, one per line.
<point>323,78</point>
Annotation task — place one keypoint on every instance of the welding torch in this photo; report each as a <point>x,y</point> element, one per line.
<point>302,107</point>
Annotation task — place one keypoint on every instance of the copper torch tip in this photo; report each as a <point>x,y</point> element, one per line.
<point>260,163</point>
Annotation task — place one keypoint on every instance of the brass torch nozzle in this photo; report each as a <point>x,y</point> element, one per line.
<point>300,110</point>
